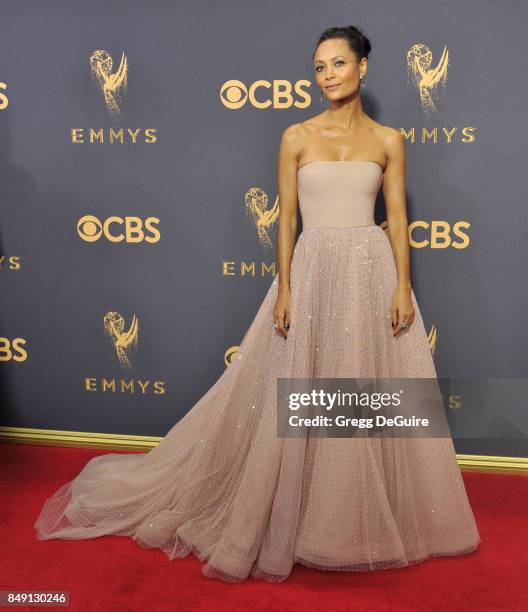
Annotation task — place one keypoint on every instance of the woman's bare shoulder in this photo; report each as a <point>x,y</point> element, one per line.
<point>292,135</point>
<point>390,134</point>
<point>393,142</point>
<point>296,135</point>
<point>302,127</point>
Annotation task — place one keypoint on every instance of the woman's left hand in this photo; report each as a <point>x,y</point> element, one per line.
<point>402,313</point>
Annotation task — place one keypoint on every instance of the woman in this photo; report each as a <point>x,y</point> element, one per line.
<point>222,483</point>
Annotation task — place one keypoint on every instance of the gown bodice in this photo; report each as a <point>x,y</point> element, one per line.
<point>338,193</point>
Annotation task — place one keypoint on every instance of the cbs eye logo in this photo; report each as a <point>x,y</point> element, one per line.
<point>262,94</point>
<point>119,229</point>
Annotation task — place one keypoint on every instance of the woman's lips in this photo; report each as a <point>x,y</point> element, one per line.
<point>333,86</point>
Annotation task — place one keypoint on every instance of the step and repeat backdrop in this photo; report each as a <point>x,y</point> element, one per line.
<point>139,207</point>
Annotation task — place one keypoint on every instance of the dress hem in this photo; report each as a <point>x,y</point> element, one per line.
<point>210,571</point>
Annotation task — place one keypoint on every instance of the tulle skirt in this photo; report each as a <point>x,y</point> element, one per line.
<point>225,487</point>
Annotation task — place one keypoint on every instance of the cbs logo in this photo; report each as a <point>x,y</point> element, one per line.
<point>438,234</point>
<point>4,100</point>
<point>119,229</point>
<point>11,350</point>
<point>262,94</point>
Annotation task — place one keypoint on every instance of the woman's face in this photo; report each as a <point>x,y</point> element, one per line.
<point>335,64</point>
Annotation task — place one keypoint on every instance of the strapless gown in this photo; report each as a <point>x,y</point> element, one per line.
<point>225,487</point>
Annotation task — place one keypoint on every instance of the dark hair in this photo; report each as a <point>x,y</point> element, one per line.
<point>357,41</point>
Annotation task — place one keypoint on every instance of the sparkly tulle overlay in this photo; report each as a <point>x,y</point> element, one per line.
<point>223,486</point>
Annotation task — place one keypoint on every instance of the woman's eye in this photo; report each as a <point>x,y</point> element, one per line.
<point>338,62</point>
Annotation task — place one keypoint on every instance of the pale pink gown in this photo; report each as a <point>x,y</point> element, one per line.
<point>222,485</point>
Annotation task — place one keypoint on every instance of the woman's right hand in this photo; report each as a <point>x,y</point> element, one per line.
<point>281,312</point>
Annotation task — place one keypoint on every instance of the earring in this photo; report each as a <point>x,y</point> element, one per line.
<point>321,99</point>
<point>362,81</point>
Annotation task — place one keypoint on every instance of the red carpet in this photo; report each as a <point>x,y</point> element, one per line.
<point>113,573</point>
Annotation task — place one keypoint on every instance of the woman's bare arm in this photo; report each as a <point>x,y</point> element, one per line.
<point>394,191</point>
<point>289,149</point>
